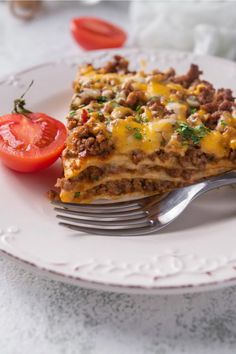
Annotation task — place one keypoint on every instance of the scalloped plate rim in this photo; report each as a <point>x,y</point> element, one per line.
<point>154,289</point>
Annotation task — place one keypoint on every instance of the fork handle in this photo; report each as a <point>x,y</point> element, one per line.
<point>226,179</point>
<point>188,194</point>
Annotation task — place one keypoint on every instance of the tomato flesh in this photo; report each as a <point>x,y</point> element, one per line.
<point>93,33</point>
<point>84,116</point>
<point>30,142</point>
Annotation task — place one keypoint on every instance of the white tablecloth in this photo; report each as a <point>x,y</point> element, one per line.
<point>40,316</point>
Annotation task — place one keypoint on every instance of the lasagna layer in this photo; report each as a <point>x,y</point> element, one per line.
<point>142,133</point>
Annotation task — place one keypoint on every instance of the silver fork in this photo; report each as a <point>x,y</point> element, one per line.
<point>138,217</point>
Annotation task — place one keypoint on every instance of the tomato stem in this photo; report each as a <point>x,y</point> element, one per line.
<point>19,103</point>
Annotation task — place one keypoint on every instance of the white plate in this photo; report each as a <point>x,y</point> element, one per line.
<point>196,252</point>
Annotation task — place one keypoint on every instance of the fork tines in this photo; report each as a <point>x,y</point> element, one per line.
<point>112,219</point>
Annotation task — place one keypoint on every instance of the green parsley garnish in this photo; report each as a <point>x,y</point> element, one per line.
<point>90,110</point>
<point>138,118</point>
<point>136,132</point>
<point>138,136</point>
<point>223,123</point>
<point>128,127</point>
<point>190,134</point>
<point>72,113</point>
<point>138,108</point>
<point>115,104</point>
<point>102,99</point>
<point>77,194</point>
<point>193,110</point>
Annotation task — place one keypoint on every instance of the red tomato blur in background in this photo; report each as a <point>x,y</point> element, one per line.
<point>94,33</point>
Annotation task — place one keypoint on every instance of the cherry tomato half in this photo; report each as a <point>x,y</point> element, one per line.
<point>94,33</point>
<point>30,142</point>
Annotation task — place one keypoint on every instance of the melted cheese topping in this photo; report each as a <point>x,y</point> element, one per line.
<point>140,86</point>
<point>233,144</point>
<point>180,109</point>
<point>158,89</point>
<point>153,132</point>
<point>129,135</point>
<point>213,143</point>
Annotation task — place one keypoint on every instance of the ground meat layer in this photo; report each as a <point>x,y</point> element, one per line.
<point>183,166</point>
<point>126,186</point>
<point>93,174</point>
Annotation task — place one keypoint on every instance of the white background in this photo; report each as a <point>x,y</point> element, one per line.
<point>40,316</point>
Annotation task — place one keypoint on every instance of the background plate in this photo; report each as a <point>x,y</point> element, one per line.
<point>196,252</point>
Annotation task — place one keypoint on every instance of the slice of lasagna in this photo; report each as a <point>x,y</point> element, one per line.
<point>134,134</point>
